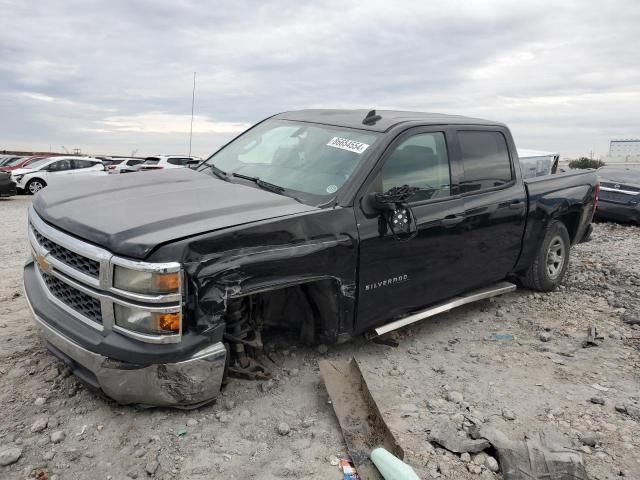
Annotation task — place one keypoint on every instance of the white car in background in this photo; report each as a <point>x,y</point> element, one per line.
<point>49,170</point>
<point>160,162</point>
<point>116,165</point>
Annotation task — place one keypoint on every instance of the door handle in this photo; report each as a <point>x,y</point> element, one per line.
<point>450,220</point>
<point>516,204</point>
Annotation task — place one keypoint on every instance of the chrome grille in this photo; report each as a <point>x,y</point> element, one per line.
<point>617,197</point>
<point>77,300</point>
<point>80,263</point>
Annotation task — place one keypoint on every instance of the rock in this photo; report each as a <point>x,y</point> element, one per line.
<point>544,336</point>
<point>9,454</point>
<point>589,438</point>
<point>333,460</point>
<point>455,397</point>
<point>597,400</point>
<point>229,404</point>
<point>132,473</point>
<point>480,458</point>
<point>633,411</point>
<point>139,453</point>
<point>473,468</point>
<point>58,436</point>
<point>397,371</point>
<point>322,349</point>
<point>465,457</point>
<point>192,422</point>
<point>492,464</point>
<point>39,425</point>
<point>508,414</point>
<point>294,372</point>
<point>586,449</point>
<point>445,433</point>
<point>621,408</point>
<point>39,401</point>
<point>245,413</point>
<point>267,386</point>
<point>284,429</point>
<point>308,422</point>
<point>632,318</point>
<point>151,467</point>
<point>445,468</point>
<point>72,454</point>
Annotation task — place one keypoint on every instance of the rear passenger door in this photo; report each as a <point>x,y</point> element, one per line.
<point>494,203</point>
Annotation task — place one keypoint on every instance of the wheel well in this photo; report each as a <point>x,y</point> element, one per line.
<point>571,221</point>
<point>312,309</point>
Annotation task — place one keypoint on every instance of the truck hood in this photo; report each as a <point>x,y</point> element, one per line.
<point>131,214</point>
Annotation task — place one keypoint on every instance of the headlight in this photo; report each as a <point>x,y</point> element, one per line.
<point>146,282</point>
<point>148,322</point>
<point>17,178</point>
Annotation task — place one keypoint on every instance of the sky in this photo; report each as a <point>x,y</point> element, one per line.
<point>116,77</point>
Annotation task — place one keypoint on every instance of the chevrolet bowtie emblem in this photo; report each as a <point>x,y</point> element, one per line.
<point>45,266</point>
<point>617,185</point>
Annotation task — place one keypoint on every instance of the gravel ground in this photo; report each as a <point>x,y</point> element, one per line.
<point>516,361</point>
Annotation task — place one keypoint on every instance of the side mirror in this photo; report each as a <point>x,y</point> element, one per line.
<point>374,204</point>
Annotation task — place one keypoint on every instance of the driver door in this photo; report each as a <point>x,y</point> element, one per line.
<point>403,274</point>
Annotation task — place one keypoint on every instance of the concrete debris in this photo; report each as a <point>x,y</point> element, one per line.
<point>593,339</point>
<point>445,433</point>
<point>537,456</point>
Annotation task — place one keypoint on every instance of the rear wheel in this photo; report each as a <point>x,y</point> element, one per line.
<point>551,261</point>
<point>34,186</point>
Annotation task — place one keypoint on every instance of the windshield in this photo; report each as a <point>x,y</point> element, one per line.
<point>15,161</point>
<point>312,159</point>
<point>38,163</point>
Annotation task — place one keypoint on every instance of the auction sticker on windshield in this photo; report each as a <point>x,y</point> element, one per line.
<point>346,144</point>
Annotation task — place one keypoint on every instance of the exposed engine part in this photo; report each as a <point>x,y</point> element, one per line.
<point>244,342</point>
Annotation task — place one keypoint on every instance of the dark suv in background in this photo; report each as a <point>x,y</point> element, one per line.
<point>619,194</point>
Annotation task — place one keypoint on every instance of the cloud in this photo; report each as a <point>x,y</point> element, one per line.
<point>111,76</point>
<point>157,122</point>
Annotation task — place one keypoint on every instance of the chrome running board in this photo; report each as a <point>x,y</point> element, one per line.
<point>454,302</point>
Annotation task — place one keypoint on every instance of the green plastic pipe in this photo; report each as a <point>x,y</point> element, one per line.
<point>391,467</point>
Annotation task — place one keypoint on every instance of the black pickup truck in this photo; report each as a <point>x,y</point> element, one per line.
<point>155,287</point>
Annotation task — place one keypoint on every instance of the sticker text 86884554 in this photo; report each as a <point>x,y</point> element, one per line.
<point>346,144</point>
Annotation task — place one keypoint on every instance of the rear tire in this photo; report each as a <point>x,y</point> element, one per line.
<point>551,261</point>
<point>34,186</point>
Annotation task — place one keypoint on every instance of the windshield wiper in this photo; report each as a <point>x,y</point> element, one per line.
<point>217,172</point>
<point>261,183</point>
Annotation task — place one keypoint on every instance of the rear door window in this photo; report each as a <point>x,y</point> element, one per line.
<point>485,159</point>
<point>83,163</point>
<point>179,161</point>
<point>151,161</point>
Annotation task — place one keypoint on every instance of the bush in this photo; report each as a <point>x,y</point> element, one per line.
<point>585,162</point>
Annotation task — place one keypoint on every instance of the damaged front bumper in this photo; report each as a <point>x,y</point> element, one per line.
<point>189,382</point>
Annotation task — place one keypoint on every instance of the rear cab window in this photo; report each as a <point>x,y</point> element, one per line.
<point>485,160</point>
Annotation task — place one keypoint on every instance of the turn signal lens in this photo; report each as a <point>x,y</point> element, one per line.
<point>168,322</point>
<point>166,282</point>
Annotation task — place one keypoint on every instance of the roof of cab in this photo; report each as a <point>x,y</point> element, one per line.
<point>390,118</point>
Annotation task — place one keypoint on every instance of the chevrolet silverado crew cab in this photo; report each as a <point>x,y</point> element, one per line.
<point>336,223</point>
